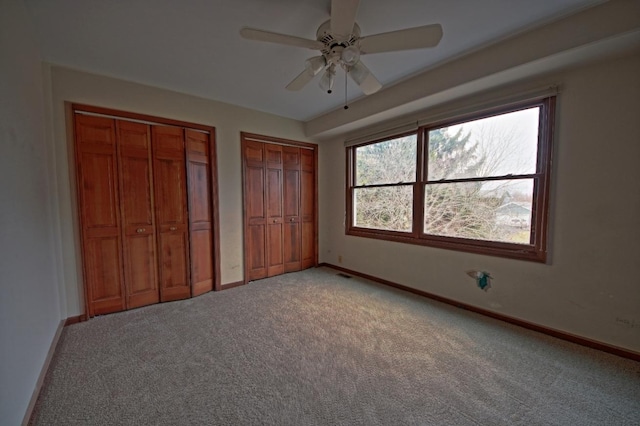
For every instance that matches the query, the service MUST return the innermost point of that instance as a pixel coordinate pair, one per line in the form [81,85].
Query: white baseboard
[43,374]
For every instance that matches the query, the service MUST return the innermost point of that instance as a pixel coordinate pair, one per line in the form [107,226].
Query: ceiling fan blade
[410,38]
[300,81]
[268,36]
[368,83]
[343,16]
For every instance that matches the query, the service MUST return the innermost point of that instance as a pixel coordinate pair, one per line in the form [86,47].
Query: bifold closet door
[98,193]
[200,210]
[146,197]
[170,190]
[136,207]
[279,208]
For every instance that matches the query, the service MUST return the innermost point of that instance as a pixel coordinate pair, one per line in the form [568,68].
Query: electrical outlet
[340,258]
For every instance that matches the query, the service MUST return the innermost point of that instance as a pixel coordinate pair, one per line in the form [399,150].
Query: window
[477,184]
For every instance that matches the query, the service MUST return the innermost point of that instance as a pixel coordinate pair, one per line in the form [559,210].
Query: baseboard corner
[75,319]
[231,285]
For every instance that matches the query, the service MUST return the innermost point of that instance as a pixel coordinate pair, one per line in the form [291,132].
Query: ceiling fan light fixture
[326,83]
[315,65]
[350,55]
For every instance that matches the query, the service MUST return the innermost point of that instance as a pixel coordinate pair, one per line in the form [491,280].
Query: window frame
[535,251]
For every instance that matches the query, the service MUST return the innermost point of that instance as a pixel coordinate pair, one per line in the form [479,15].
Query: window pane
[497,210]
[493,146]
[388,208]
[391,161]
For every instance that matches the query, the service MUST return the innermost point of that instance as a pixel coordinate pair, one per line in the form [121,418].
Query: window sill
[525,252]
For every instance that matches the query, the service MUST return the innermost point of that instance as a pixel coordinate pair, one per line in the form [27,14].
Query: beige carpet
[313,348]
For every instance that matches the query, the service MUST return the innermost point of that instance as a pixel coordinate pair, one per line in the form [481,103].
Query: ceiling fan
[341,45]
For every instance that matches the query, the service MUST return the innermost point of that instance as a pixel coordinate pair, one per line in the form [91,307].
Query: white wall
[591,287]
[29,301]
[75,86]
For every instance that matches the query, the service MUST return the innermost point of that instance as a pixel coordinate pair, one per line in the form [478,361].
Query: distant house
[514,214]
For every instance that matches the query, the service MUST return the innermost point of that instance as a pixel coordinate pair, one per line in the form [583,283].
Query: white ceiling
[193,46]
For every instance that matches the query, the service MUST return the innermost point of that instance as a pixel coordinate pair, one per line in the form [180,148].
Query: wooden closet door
[273,190]
[200,211]
[136,207]
[308,207]
[97,174]
[254,210]
[170,189]
[279,185]
[292,237]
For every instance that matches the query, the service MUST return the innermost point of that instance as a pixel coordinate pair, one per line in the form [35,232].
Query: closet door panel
[275,264]
[172,250]
[98,175]
[136,183]
[273,189]
[98,194]
[254,163]
[291,205]
[103,273]
[170,189]
[308,252]
[136,180]
[274,193]
[257,266]
[256,225]
[200,217]
[308,207]
[291,193]
[292,247]
[170,183]
[255,194]
[140,270]
[201,267]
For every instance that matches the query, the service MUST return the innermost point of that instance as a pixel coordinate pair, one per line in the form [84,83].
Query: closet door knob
[140,230]
[173,228]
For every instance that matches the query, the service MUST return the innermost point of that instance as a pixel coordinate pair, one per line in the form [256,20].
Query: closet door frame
[76,108]
[246,139]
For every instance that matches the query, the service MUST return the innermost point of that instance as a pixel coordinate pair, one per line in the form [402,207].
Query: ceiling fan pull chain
[345,89]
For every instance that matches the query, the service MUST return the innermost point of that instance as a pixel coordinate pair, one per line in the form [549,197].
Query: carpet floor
[314,348]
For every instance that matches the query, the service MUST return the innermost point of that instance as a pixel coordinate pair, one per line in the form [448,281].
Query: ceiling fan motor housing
[344,52]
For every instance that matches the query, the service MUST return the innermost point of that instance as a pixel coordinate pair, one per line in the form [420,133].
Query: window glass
[387,207]
[493,146]
[496,210]
[391,161]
